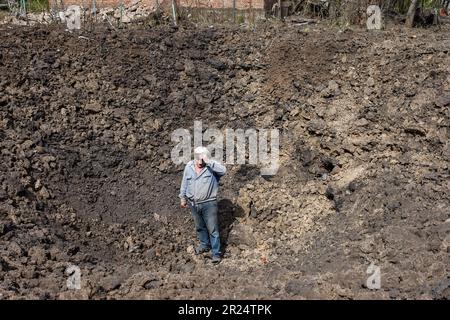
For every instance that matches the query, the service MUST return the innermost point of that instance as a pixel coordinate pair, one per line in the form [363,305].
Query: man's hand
[204,159]
[183,203]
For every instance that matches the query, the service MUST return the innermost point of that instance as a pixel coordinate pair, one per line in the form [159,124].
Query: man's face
[199,160]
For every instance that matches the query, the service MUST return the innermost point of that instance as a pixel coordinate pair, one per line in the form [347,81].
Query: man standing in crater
[198,190]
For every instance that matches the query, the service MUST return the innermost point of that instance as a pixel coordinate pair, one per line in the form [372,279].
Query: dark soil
[86,176]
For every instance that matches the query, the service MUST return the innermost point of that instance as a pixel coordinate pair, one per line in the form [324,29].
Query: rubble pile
[132,12]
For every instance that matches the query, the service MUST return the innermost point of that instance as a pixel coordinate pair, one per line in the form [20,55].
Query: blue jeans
[207,225]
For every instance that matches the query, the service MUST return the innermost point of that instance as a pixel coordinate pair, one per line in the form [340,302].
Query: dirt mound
[86,176]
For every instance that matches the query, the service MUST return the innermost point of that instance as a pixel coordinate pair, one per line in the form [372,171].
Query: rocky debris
[443,100]
[87,180]
[31,18]
[241,235]
[331,90]
[133,11]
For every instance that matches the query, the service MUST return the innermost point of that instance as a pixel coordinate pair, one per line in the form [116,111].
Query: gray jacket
[203,187]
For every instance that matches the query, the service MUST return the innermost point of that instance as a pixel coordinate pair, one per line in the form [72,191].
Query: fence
[121,12]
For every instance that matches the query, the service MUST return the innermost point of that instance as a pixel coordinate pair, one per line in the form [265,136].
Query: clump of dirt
[87,180]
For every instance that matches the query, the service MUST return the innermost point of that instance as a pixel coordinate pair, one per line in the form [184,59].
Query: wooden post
[174,12]
[157,7]
[121,13]
[280,15]
[94,9]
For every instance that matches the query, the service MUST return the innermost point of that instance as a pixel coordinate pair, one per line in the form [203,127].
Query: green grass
[37,5]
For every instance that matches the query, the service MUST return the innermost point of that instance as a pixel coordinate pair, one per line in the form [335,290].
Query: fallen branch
[109,21]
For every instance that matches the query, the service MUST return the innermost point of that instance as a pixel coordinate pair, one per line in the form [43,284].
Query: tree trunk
[411,13]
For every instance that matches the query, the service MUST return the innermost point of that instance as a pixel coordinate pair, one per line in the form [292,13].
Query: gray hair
[201,151]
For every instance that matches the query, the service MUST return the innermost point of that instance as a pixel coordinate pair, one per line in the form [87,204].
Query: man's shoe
[216,259]
[200,250]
